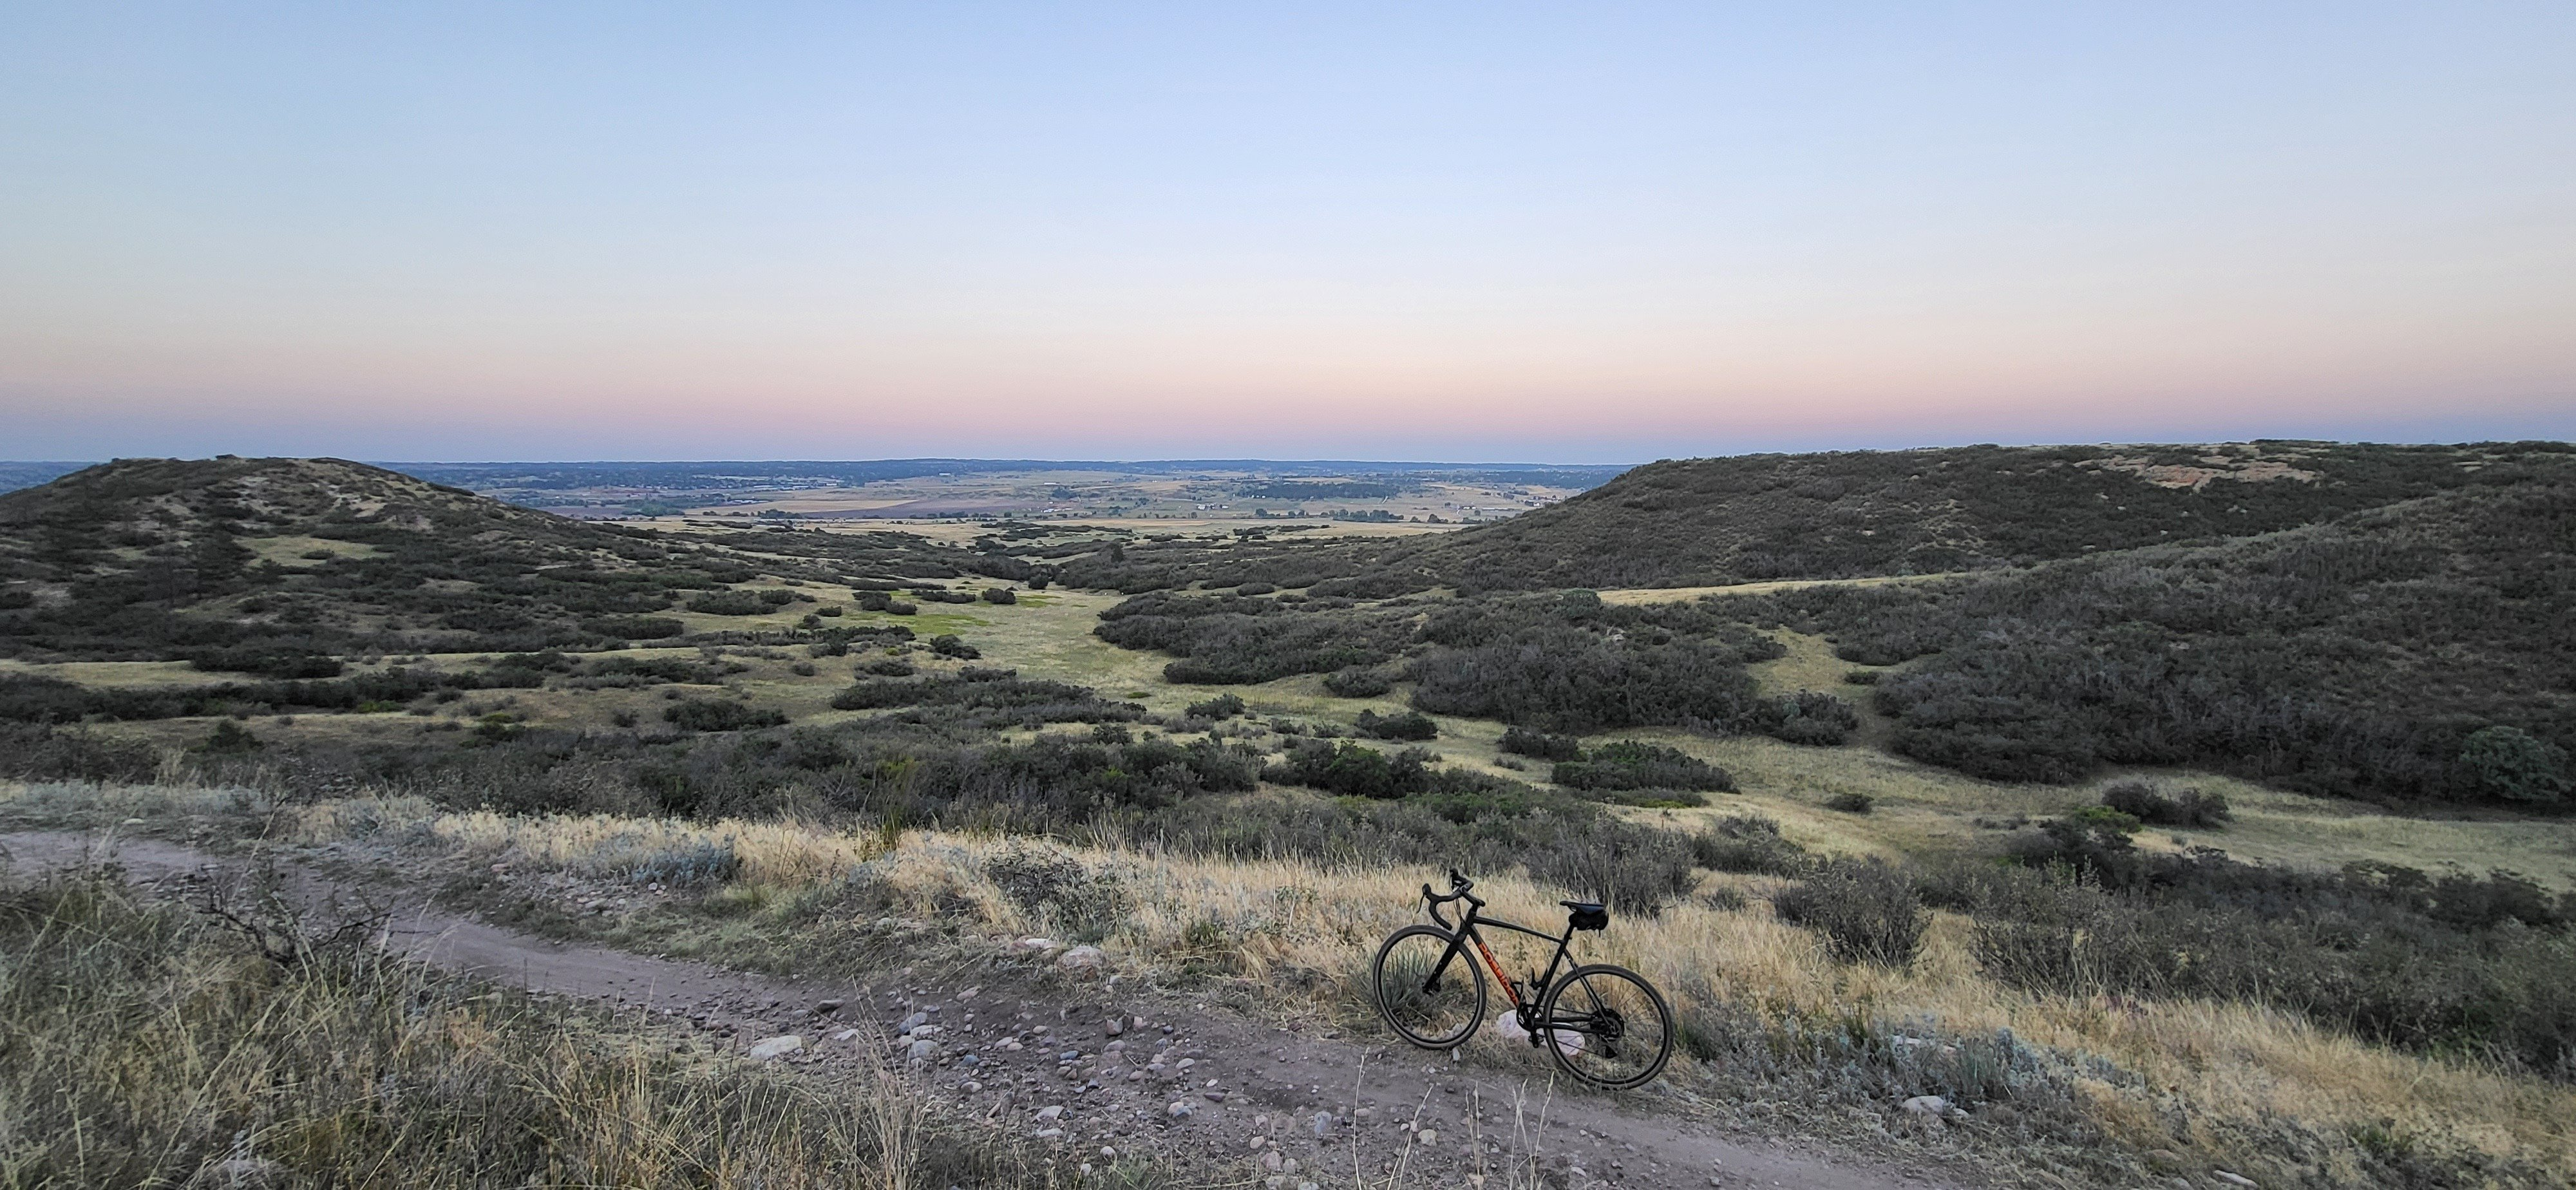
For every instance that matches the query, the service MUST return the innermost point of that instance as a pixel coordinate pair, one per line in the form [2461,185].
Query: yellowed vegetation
[2224,1066]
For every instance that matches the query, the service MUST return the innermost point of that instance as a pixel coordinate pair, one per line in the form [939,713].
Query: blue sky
[1490,231]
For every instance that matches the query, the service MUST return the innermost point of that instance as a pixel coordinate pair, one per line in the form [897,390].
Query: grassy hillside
[271,565]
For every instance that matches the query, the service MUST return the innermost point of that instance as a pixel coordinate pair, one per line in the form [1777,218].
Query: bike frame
[1466,931]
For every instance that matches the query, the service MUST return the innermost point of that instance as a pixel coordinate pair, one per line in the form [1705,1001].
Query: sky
[1565,233]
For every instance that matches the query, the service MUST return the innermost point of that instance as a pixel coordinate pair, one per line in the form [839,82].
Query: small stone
[971,1087]
[2232,1179]
[1049,1133]
[1113,1028]
[1428,1136]
[846,1035]
[1272,1161]
[913,1022]
[923,1051]
[970,1061]
[776,1047]
[827,1008]
[1322,1124]
[1929,1107]
[1108,1154]
[1050,1111]
[1082,958]
[1215,1096]
[1181,1109]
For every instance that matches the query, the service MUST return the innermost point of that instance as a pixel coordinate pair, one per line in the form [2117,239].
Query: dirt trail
[1113,1064]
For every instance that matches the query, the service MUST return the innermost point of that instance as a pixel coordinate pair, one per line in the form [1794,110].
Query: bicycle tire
[1421,1016]
[1595,1056]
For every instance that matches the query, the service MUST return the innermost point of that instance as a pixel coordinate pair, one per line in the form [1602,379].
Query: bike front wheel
[1607,1026]
[1429,1004]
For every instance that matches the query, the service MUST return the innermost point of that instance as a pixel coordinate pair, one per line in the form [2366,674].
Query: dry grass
[1292,930]
[143,1045]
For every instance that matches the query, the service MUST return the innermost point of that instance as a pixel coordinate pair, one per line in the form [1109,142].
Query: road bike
[1603,1024]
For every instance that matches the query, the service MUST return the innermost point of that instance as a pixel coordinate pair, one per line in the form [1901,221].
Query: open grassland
[148,1044]
[1784,1035]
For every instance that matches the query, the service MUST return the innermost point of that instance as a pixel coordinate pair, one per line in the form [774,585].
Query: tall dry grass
[2223,1080]
[145,1045]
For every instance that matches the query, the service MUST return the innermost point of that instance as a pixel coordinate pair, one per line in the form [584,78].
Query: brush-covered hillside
[273,566]
[1856,514]
[1850,514]
[2415,651]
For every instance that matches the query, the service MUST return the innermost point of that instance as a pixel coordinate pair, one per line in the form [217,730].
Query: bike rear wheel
[1434,1014]
[1607,1026]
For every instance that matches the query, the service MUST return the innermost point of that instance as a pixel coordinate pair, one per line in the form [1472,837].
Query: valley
[2163,811]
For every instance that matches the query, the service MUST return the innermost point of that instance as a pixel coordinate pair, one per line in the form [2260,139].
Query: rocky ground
[1043,1043]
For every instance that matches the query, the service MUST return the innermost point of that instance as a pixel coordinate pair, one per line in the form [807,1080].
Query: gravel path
[1101,1070]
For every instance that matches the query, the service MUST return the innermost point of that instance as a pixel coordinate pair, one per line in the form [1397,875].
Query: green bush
[1634,764]
[2508,763]
[1851,802]
[708,714]
[1747,843]
[1359,681]
[635,627]
[732,603]
[1223,706]
[1000,595]
[1411,725]
[1540,745]
[950,646]
[1867,910]
[2145,802]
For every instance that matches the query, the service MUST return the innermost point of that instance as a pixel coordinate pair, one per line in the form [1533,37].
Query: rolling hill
[1849,514]
[272,565]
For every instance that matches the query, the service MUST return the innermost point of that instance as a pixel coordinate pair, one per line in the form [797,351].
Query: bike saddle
[1584,915]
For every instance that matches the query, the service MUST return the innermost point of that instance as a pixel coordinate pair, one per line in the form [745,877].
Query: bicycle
[1603,1024]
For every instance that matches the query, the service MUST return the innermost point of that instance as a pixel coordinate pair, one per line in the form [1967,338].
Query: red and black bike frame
[1466,931]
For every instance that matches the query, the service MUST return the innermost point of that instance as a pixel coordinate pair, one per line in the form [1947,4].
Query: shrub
[900,608]
[1059,890]
[732,603]
[1411,725]
[1633,764]
[2146,803]
[2508,763]
[1867,910]
[1223,706]
[778,597]
[1861,677]
[1747,843]
[698,864]
[1851,802]
[268,661]
[635,627]
[872,601]
[1541,745]
[1808,717]
[1000,595]
[1254,589]
[1359,681]
[888,667]
[1353,770]
[950,646]
[1631,868]
[710,714]
[229,739]
[1567,679]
